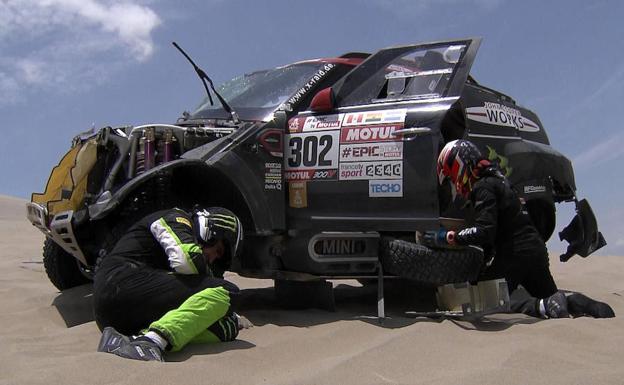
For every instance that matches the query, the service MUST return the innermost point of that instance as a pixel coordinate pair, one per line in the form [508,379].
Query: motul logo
[368,134]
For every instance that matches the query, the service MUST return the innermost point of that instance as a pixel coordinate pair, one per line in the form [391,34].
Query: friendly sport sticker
[371,170]
[501,115]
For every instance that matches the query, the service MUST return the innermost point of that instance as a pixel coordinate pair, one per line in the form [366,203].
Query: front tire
[431,267]
[62,269]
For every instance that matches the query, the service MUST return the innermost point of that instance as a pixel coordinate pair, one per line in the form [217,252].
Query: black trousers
[529,268]
[130,295]
[522,302]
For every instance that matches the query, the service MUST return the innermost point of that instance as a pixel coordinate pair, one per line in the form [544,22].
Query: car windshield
[402,73]
[255,95]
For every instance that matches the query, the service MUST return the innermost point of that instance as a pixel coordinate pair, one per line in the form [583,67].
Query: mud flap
[582,233]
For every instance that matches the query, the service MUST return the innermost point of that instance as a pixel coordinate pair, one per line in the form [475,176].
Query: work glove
[439,238]
[227,328]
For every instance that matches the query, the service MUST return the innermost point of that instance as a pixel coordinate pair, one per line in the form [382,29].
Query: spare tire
[431,267]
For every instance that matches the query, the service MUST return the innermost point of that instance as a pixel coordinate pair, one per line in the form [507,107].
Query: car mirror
[323,101]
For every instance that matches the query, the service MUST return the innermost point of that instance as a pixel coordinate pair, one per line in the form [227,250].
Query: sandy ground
[47,337]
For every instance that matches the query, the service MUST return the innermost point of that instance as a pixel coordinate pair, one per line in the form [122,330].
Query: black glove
[226,329]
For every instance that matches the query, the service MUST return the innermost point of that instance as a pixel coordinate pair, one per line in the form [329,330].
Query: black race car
[325,161]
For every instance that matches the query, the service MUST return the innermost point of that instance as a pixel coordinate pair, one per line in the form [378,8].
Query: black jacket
[164,240]
[502,225]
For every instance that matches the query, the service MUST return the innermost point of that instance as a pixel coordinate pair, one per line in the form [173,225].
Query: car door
[369,162]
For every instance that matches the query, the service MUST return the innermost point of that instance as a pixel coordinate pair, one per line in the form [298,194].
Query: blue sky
[66,65]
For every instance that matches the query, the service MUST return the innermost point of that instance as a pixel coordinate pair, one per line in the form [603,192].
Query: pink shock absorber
[168,147]
[150,149]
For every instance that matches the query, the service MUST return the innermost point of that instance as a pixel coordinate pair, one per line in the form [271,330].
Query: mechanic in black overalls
[511,243]
[158,289]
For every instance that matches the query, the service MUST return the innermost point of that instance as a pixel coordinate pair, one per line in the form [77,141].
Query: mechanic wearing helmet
[503,228]
[161,286]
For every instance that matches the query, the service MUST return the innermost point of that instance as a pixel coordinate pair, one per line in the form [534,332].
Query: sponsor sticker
[184,221]
[338,246]
[371,170]
[314,150]
[369,133]
[297,194]
[303,91]
[300,175]
[501,115]
[385,188]
[371,151]
[534,189]
[295,124]
[323,122]
[273,176]
[374,117]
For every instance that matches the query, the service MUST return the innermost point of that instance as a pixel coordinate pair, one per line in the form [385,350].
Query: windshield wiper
[202,75]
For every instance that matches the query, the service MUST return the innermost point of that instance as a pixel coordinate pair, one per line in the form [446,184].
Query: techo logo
[385,188]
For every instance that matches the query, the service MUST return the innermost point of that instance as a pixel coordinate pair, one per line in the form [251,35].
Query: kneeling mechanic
[503,228]
[161,286]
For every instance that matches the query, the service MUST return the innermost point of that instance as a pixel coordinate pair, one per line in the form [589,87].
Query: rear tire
[431,267]
[62,269]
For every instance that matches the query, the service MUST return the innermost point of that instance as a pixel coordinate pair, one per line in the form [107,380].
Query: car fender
[221,166]
[108,201]
[537,167]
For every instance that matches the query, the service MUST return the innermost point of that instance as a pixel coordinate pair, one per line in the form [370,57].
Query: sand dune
[49,337]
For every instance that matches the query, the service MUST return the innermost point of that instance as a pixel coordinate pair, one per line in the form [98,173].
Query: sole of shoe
[580,305]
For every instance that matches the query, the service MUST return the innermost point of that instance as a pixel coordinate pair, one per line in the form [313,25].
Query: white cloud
[31,71]
[606,151]
[8,89]
[131,23]
[407,8]
[69,44]
[614,80]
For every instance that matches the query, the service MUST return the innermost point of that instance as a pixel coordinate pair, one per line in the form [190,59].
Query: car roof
[351,59]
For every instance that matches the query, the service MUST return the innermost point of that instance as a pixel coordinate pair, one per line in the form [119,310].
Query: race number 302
[317,150]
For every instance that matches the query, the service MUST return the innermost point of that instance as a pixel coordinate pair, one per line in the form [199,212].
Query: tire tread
[428,266]
[61,268]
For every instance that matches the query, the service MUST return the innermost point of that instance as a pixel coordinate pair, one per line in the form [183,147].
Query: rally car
[327,162]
